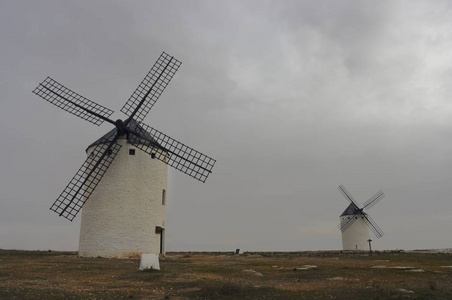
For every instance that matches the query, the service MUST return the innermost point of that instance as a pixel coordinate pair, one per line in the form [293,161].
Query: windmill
[355,223]
[126,211]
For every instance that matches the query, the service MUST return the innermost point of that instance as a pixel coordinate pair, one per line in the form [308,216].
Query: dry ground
[265,275]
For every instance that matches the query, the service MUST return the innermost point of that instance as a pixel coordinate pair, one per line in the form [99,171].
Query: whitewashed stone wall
[121,216]
[356,236]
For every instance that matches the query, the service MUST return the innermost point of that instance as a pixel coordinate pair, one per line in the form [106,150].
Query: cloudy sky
[292,98]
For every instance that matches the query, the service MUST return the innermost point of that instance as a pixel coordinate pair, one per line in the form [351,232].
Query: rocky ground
[265,275]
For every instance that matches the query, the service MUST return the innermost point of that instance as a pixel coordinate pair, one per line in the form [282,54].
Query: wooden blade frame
[150,89]
[64,98]
[347,222]
[348,196]
[373,226]
[374,200]
[172,152]
[82,185]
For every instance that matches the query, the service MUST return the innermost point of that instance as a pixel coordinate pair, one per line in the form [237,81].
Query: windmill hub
[120,126]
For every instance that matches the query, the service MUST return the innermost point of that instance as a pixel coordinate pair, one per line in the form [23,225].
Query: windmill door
[161,231]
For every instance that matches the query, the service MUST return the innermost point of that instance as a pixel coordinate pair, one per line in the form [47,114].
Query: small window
[131,151]
[163,197]
[153,155]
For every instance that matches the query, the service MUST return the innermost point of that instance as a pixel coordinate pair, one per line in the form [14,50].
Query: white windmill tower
[126,214]
[355,223]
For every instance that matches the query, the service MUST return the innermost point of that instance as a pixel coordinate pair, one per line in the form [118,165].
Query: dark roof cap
[133,125]
[350,210]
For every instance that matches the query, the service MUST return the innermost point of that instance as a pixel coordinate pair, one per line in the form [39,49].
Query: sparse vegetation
[208,275]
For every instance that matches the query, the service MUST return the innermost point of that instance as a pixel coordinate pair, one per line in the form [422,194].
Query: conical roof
[133,125]
[350,210]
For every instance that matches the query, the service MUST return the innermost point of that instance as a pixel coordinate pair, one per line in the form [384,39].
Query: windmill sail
[347,195]
[64,98]
[374,200]
[347,222]
[83,184]
[373,226]
[172,152]
[152,86]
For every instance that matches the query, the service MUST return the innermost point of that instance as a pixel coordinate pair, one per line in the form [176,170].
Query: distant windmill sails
[355,223]
[112,198]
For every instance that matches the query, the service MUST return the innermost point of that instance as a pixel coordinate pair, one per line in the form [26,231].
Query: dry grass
[57,275]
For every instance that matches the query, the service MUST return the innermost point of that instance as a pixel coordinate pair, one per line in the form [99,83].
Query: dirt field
[267,275]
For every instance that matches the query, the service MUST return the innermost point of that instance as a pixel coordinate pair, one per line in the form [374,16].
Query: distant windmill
[127,210]
[355,223]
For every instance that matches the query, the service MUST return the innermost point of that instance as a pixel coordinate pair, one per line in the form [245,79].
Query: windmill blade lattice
[82,185]
[64,98]
[373,226]
[347,195]
[346,223]
[374,200]
[172,152]
[152,86]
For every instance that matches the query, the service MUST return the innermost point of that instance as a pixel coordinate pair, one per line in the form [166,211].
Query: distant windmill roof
[135,126]
[350,210]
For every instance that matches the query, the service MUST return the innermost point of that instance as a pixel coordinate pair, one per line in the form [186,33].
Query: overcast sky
[293,98]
